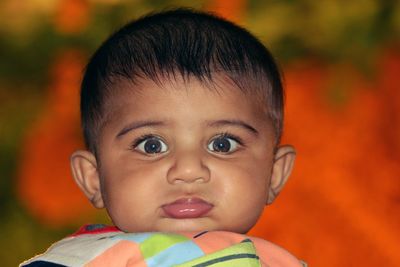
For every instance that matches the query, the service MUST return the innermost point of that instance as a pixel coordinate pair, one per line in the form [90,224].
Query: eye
[151,145]
[224,144]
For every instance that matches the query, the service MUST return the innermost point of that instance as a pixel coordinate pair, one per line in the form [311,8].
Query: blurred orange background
[341,63]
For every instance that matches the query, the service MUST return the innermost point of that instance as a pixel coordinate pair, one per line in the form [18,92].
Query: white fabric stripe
[77,250]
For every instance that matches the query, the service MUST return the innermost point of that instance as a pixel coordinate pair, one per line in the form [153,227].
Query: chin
[187,225]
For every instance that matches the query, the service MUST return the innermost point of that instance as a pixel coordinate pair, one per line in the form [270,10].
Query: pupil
[222,145]
[152,146]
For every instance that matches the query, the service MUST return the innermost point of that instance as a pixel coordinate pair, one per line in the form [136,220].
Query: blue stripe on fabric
[135,237]
[176,254]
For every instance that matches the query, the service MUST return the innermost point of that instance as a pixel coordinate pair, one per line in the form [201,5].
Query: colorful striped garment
[99,245]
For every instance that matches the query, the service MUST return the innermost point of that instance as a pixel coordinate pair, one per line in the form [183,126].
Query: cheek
[129,186]
[131,199]
[242,196]
[243,181]
[133,174]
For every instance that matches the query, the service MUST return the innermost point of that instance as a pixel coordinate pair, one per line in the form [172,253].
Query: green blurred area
[330,31]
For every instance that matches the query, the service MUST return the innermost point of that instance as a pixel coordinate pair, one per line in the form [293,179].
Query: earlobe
[86,175]
[283,165]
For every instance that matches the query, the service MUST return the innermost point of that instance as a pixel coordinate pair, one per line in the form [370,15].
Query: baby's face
[185,158]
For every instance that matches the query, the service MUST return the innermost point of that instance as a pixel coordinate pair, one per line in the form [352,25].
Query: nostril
[189,180]
[200,180]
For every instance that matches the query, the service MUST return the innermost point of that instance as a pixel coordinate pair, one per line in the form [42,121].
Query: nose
[188,167]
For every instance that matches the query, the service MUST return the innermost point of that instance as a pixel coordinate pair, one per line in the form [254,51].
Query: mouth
[187,208]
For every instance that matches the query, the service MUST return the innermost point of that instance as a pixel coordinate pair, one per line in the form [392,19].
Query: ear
[86,175]
[283,165]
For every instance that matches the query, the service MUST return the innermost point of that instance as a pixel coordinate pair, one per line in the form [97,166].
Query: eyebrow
[236,123]
[219,123]
[139,124]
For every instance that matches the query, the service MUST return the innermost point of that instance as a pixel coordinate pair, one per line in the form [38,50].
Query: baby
[182,114]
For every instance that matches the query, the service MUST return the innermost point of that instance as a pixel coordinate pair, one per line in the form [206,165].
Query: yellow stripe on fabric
[159,242]
[242,254]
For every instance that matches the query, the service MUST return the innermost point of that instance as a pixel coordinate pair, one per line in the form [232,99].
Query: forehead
[221,94]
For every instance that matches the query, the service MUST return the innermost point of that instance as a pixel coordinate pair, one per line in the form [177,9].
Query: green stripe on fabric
[237,259]
[241,254]
[159,242]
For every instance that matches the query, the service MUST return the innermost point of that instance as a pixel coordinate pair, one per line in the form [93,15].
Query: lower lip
[187,208]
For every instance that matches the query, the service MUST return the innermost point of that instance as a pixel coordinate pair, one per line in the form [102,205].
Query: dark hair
[185,42]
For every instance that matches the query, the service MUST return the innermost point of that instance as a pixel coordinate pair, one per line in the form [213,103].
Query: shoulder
[97,245]
[275,255]
[76,249]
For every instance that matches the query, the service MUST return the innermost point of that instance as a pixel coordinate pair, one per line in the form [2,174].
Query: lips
[186,208]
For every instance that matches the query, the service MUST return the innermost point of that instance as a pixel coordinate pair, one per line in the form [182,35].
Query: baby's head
[182,115]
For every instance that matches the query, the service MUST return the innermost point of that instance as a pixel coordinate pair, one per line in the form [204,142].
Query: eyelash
[231,136]
[142,138]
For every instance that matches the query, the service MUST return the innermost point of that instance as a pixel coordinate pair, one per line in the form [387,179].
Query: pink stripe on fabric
[274,255]
[106,229]
[217,240]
